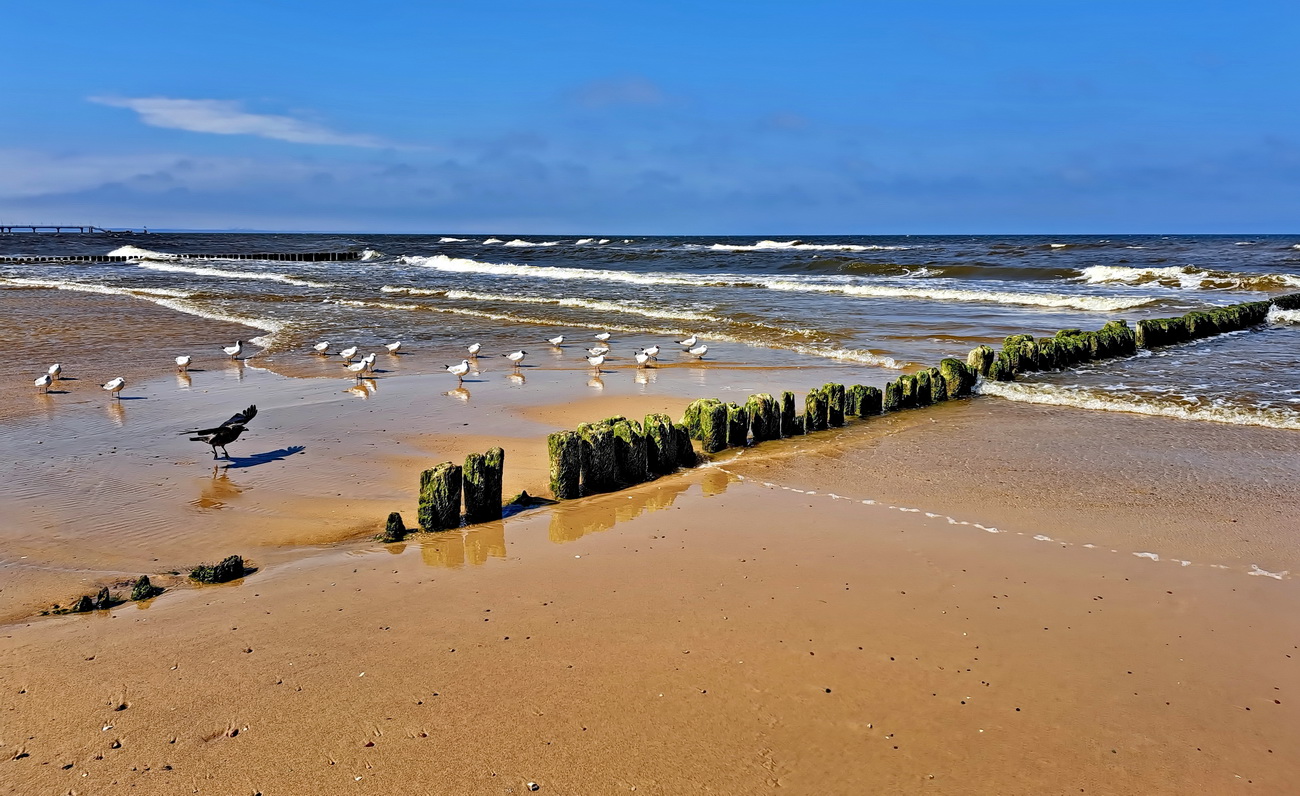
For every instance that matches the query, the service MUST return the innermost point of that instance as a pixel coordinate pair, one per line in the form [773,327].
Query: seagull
[233,350]
[115,386]
[598,350]
[653,352]
[641,359]
[603,336]
[224,434]
[688,342]
[323,347]
[459,371]
[183,363]
[359,368]
[348,353]
[597,361]
[516,357]
[393,348]
[699,351]
[473,350]
[43,383]
[54,371]
[369,359]
[555,341]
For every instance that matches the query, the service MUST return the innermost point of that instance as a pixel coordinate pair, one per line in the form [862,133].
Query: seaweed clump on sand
[230,568]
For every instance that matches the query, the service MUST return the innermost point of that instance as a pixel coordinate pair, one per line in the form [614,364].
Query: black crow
[224,434]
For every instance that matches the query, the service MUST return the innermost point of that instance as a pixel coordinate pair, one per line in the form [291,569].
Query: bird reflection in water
[646,376]
[596,383]
[516,379]
[474,545]
[460,394]
[183,379]
[364,388]
[218,491]
[116,413]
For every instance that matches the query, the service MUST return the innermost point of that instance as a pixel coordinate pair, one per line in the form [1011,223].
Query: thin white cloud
[226,117]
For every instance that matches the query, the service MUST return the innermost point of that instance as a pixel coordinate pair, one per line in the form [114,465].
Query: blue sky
[654,117]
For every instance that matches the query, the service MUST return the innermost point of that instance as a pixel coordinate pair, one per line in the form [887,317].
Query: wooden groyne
[617,452]
[294,257]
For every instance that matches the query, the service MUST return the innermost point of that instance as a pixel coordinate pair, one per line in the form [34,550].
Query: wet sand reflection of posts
[475,545]
[572,521]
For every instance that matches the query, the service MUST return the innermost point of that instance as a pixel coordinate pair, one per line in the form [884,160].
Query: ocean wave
[517,243]
[135,251]
[177,300]
[1187,277]
[583,303]
[452,240]
[224,273]
[862,356]
[444,263]
[371,254]
[1052,395]
[798,245]
[494,240]
[1281,316]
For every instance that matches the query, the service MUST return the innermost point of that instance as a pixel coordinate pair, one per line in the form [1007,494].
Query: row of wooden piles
[443,489]
[616,453]
[1021,353]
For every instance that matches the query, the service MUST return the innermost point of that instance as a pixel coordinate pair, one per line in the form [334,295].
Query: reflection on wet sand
[516,378]
[574,520]
[460,394]
[116,413]
[364,388]
[596,383]
[646,376]
[183,379]
[218,491]
[475,544]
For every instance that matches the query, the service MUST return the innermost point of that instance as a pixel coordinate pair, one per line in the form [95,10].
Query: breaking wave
[1052,395]
[584,303]
[798,245]
[224,273]
[1281,316]
[135,251]
[1187,277]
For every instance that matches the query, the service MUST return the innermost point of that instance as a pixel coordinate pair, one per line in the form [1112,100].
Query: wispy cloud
[226,117]
[626,91]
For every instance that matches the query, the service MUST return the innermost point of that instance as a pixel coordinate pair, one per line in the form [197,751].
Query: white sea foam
[606,240]
[840,285]
[371,254]
[90,287]
[1186,277]
[525,243]
[584,241]
[452,240]
[493,240]
[568,301]
[225,273]
[1058,245]
[1256,570]
[1052,395]
[1280,316]
[135,251]
[798,245]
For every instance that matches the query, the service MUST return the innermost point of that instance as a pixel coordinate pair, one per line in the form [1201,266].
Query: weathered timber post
[938,387]
[482,485]
[756,406]
[854,397]
[892,400]
[661,446]
[713,427]
[565,449]
[693,417]
[685,450]
[958,378]
[980,359]
[834,404]
[737,426]
[631,462]
[816,411]
[788,415]
[873,401]
[142,589]
[922,396]
[394,530]
[908,385]
[440,497]
[598,469]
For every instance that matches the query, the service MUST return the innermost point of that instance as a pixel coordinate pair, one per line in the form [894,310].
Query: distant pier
[55,228]
[296,257]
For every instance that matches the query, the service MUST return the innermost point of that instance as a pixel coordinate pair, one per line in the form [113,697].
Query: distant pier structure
[56,228]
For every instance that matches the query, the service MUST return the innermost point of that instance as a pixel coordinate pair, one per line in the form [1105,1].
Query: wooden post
[854,398]
[713,427]
[631,462]
[737,426]
[815,411]
[565,449]
[394,529]
[598,468]
[482,485]
[872,401]
[834,404]
[685,450]
[661,447]
[788,415]
[893,398]
[440,497]
[693,418]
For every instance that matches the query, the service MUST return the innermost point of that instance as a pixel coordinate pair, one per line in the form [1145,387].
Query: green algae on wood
[481,480]
[958,377]
[788,415]
[816,411]
[439,507]
[693,418]
[394,529]
[598,458]
[737,426]
[713,427]
[631,459]
[834,403]
[142,589]
[228,569]
[565,450]
[893,397]
[854,396]
[980,359]
[872,401]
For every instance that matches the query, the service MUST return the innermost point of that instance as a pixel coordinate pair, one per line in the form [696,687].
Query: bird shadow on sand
[239,462]
[133,398]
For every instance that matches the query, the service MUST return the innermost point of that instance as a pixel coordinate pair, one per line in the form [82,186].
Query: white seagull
[641,359]
[473,350]
[598,350]
[516,357]
[43,383]
[653,352]
[369,361]
[323,347]
[348,354]
[597,361]
[699,351]
[54,371]
[359,368]
[115,386]
[603,336]
[459,371]
[688,342]
[555,341]
[393,348]
[233,351]
[183,363]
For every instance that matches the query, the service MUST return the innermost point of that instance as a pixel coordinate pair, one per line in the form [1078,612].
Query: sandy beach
[983,597]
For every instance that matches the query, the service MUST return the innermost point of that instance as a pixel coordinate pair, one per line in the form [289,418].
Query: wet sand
[720,630]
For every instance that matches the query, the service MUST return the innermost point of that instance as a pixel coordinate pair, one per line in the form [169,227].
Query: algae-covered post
[958,377]
[922,395]
[693,419]
[815,411]
[495,460]
[685,450]
[834,404]
[631,462]
[598,474]
[788,428]
[482,485]
[661,447]
[854,397]
[440,497]
[229,568]
[892,400]
[713,427]
[938,386]
[737,426]
[394,529]
[980,359]
[142,589]
[565,449]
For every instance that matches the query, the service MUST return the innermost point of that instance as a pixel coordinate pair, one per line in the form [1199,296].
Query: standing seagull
[459,371]
[699,351]
[653,352]
[603,336]
[516,357]
[359,368]
[54,371]
[473,350]
[224,434]
[183,363]
[323,347]
[641,359]
[596,362]
[115,386]
[234,350]
[688,342]
[348,353]
[556,341]
[43,383]
[393,348]
[598,350]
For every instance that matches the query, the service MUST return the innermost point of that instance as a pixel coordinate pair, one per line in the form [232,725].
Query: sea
[884,304]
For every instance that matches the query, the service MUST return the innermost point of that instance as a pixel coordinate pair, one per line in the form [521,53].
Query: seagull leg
[214,452]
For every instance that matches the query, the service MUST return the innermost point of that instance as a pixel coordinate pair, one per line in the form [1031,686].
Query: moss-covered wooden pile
[618,452]
[445,487]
